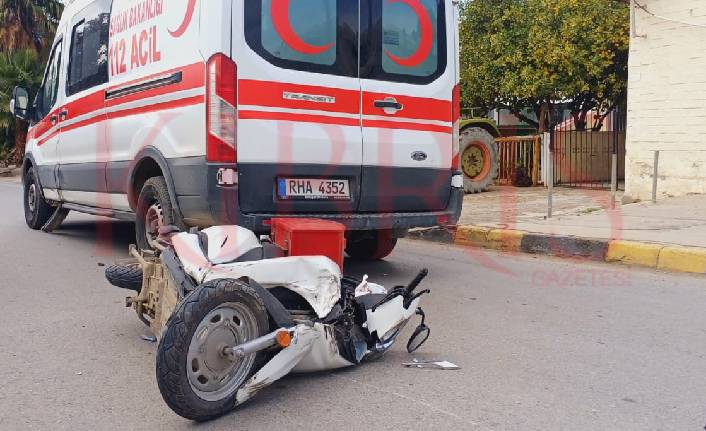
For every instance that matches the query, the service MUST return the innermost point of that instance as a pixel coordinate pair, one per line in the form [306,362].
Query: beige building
[667,98]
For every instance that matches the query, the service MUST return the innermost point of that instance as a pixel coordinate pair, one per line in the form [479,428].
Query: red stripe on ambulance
[294,96]
[399,125]
[304,118]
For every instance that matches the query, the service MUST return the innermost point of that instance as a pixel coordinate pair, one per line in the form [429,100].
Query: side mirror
[420,335]
[19,105]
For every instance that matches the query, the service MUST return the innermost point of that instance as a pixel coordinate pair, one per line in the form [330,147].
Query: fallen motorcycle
[234,314]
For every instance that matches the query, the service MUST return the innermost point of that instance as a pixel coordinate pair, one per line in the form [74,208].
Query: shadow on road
[375,269]
[114,237]
[108,236]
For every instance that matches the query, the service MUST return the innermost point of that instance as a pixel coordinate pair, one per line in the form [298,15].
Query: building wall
[667,99]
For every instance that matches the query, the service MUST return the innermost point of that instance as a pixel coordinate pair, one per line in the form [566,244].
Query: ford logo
[419,156]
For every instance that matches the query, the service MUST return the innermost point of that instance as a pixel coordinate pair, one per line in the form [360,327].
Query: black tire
[372,245]
[37,210]
[172,353]
[481,146]
[154,197]
[128,276]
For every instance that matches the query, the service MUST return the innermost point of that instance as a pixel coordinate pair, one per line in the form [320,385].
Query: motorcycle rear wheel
[196,379]
[125,276]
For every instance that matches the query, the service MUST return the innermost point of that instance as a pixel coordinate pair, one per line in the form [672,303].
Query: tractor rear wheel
[479,159]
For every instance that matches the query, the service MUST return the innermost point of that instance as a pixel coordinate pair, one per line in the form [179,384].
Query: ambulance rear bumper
[219,211]
[206,203]
[370,221]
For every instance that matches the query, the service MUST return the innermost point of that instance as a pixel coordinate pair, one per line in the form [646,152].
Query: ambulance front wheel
[370,245]
[37,210]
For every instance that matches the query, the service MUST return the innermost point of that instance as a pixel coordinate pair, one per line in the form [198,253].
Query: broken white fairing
[223,244]
[316,278]
[314,347]
[389,318]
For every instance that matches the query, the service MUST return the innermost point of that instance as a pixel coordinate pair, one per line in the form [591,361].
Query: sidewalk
[506,206]
[10,174]
[670,235]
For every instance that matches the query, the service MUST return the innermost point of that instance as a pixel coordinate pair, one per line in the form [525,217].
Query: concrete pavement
[669,235]
[509,205]
[544,344]
[674,221]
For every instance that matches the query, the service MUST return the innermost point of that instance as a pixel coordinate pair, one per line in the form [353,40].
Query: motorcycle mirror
[419,337]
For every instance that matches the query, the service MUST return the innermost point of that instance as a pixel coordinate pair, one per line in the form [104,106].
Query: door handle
[389,103]
[63,115]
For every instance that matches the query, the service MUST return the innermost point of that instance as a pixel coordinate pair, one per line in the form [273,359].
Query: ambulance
[206,112]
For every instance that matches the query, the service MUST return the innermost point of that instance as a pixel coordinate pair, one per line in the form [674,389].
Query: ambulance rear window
[307,34]
[410,40]
[404,41]
[312,35]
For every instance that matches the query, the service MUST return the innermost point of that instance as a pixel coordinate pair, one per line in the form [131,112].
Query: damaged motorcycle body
[320,320]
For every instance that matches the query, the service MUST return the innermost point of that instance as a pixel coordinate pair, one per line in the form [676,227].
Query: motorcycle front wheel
[197,380]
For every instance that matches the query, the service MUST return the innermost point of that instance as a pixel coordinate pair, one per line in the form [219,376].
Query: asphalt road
[543,344]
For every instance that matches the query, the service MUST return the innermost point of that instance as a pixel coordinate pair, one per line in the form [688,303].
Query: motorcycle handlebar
[418,279]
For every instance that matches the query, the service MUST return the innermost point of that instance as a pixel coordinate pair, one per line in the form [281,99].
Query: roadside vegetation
[27,28]
[524,55]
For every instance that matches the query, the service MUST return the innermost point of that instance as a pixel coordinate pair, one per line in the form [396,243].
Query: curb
[651,255]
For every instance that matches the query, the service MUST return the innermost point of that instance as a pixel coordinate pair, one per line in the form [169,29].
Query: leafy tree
[27,29]
[519,54]
[19,67]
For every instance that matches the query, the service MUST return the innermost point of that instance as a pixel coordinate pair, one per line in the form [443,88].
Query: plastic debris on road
[436,365]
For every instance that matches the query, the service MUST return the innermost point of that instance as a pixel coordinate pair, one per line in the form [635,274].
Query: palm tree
[28,24]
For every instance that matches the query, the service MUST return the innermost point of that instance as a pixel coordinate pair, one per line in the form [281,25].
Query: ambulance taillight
[221,110]
[456,118]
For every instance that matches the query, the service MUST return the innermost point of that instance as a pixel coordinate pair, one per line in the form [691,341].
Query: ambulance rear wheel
[154,210]
[370,245]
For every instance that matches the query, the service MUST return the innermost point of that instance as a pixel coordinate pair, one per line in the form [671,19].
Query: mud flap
[56,219]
